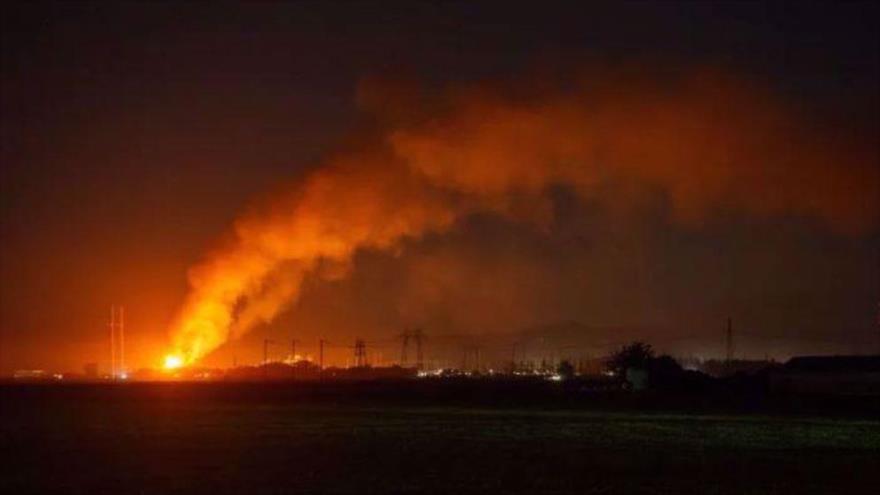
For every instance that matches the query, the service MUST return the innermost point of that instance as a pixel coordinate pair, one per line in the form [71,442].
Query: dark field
[178,439]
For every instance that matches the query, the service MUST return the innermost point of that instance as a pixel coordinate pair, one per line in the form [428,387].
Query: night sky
[133,137]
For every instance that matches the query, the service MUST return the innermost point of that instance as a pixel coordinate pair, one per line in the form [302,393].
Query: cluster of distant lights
[169,364]
[173,363]
[440,373]
[40,374]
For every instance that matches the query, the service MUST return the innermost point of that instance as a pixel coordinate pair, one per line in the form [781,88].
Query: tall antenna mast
[122,340]
[112,342]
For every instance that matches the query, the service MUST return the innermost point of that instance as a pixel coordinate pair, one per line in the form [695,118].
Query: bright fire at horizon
[172,362]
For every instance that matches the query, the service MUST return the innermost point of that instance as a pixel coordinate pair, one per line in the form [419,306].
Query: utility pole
[478,359]
[513,359]
[419,357]
[293,358]
[122,340]
[729,340]
[404,348]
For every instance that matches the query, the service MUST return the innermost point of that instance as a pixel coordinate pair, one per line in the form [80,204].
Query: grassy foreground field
[167,444]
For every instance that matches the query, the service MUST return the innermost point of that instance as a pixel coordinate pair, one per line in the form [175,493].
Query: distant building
[722,368]
[828,375]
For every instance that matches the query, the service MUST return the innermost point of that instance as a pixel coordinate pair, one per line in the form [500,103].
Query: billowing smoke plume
[706,142]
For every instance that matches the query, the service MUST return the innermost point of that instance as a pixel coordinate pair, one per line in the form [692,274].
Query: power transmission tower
[417,335]
[469,351]
[404,348]
[360,353]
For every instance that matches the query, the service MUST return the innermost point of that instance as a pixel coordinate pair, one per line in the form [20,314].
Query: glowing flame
[172,362]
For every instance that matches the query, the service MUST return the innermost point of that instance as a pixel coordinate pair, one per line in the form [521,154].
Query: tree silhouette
[634,355]
[565,370]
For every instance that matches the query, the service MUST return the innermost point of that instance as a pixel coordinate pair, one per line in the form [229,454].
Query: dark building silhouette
[828,375]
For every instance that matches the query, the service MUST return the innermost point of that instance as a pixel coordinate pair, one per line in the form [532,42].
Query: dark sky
[133,134]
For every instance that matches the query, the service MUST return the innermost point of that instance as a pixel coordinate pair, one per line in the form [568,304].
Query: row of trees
[638,361]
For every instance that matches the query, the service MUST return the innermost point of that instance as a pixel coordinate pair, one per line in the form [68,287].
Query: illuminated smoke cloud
[707,142]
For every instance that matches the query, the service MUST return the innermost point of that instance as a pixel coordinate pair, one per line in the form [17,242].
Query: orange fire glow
[705,142]
[172,362]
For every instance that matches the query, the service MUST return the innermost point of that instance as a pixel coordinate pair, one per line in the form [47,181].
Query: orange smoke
[706,142]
